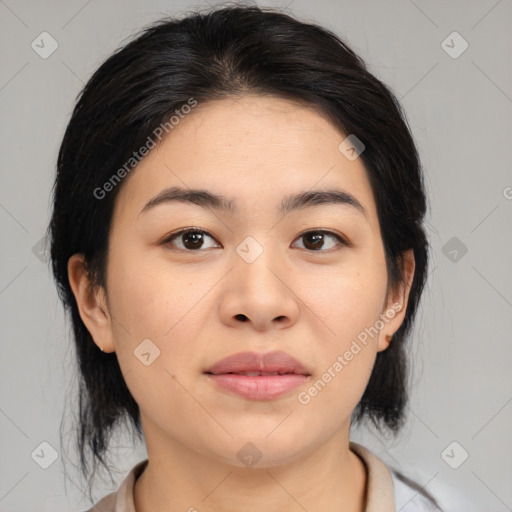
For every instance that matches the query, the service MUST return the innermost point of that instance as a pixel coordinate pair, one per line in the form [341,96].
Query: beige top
[380,486]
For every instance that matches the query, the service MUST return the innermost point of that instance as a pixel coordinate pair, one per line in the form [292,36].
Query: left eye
[315,240]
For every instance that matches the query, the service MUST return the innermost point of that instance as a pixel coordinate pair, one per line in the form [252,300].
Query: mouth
[257,376]
[254,374]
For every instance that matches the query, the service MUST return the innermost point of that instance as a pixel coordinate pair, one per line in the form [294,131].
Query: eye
[194,239]
[190,239]
[316,240]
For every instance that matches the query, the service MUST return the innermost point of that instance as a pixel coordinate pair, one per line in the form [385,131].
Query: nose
[259,294]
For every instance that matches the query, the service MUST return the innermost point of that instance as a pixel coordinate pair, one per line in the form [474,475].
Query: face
[309,281]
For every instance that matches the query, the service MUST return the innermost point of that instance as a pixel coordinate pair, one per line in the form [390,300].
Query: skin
[310,304]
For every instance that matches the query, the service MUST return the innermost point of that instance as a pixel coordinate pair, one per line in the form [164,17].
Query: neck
[331,477]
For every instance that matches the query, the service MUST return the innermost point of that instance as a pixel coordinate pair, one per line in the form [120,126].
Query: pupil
[317,241]
[193,238]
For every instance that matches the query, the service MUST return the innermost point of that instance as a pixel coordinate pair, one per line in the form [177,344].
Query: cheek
[349,304]
[154,302]
[335,392]
[349,298]
[158,316]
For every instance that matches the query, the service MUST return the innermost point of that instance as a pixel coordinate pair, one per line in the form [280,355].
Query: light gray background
[460,111]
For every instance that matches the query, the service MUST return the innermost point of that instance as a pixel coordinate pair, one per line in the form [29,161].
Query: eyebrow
[299,201]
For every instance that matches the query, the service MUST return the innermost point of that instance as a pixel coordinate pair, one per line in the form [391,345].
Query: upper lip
[269,362]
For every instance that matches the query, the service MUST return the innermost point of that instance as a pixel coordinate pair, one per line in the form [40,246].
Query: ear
[92,304]
[396,303]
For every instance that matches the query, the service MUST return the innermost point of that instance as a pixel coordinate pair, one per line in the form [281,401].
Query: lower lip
[262,387]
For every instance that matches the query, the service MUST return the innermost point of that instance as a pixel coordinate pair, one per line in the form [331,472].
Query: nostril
[241,317]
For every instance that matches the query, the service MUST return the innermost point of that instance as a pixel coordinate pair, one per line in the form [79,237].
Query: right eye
[188,239]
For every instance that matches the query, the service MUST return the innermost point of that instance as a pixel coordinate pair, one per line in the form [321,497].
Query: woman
[237,235]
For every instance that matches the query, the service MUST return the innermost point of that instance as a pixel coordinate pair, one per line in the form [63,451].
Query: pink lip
[226,374]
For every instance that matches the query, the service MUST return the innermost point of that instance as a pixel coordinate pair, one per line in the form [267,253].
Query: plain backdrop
[450,64]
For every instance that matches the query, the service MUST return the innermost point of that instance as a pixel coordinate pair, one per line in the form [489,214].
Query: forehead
[253,149]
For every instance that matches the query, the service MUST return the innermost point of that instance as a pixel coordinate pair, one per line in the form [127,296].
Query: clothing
[385,488]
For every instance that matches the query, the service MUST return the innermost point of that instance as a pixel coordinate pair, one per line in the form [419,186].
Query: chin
[259,451]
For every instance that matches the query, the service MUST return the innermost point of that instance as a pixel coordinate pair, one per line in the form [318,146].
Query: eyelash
[177,234]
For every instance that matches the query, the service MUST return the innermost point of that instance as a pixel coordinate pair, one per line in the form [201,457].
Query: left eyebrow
[299,201]
[317,197]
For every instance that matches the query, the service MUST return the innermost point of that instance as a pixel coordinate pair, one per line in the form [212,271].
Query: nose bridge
[254,261]
[256,290]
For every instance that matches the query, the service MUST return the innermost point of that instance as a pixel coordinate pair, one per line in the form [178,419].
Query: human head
[207,57]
